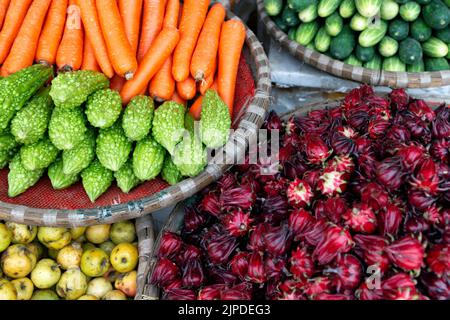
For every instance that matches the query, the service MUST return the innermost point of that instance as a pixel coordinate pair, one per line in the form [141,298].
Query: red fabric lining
[43,196]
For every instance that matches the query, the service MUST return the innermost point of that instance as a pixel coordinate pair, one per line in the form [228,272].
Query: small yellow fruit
[22,233]
[54,238]
[107,246]
[98,287]
[72,285]
[124,257]
[70,256]
[88,297]
[94,262]
[77,232]
[123,232]
[24,288]
[98,234]
[17,261]
[127,283]
[37,249]
[5,237]
[46,274]
[7,290]
[88,246]
[115,295]
[44,295]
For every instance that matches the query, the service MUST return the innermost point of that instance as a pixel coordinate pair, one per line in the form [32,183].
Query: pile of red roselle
[359,209]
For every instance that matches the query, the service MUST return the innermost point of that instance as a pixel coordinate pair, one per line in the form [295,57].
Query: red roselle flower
[227,181]
[440,150]
[277,240]
[343,141]
[312,177]
[343,163]
[378,128]
[179,294]
[220,248]
[302,264]
[407,253]
[165,273]
[193,220]
[242,197]
[333,297]
[256,239]
[366,293]
[275,187]
[399,99]
[316,232]
[331,208]
[372,248]
[411,156]
[367,165]
[237,222]
[210,204]
[437,287]
[316,149]
[426,178]
[433,214]
[420,199]
[389,220]
[438,259]
[193,275]
[441,125]
[421,109]
[316,286]
[299,221]
[361,218]
[211,292]
[346,273]
[170,245]
[239,264]
[332,182]
[398,133]
[390,173]
[191,252]
[375,196]
[256,272]
[337,240]
[274,267]
[398,283]
[241,291]
[416,225]
[299,193]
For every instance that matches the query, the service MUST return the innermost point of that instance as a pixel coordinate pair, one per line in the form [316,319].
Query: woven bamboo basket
[146,242]
[248,121]
[350,72]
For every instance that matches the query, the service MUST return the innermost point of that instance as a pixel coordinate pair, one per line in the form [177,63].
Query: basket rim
[249,123]
[427,79]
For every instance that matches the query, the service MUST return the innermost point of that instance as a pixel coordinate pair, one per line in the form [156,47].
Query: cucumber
[448,54]
[327,7]
[393,64]
[389,10]
[311,46]
[273,7]
[401,1]
[291,33]
[436,15]
[435,48]
[347,8]
[409,11]
[359,23]
[398,29]
[281,23]
[334,24]
[306,32]
[446,2]
[343,44]
[410,51]
[388,47]
[309,13]
[298,5]
[416,67]
[352,60]
[436,64]
[322,40]
[374,64]
[290,17]
[364,54]
[368,8]
[443,34]
[423,2]
[420,30]
[373,34]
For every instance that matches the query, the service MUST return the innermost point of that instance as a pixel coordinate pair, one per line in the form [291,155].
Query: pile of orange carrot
[169,49]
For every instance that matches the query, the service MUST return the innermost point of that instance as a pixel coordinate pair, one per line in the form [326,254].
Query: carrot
[4,4]
[89,60]
[176,98]
[130,11]
[230,47]
[162,85]
[52,32]
[208,81]
[117,83]
[187,88]
[92,26]
[70,52]
[119,49]
[161,49]
[192,18]
[172,14]
[152,20]
[205,53]
[196,109]
[13,20]
[24,47]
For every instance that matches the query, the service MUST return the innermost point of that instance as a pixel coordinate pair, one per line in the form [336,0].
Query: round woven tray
[350,72]
[248,122]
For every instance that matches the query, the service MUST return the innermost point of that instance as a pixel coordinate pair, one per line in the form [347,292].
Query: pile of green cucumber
[390,35]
